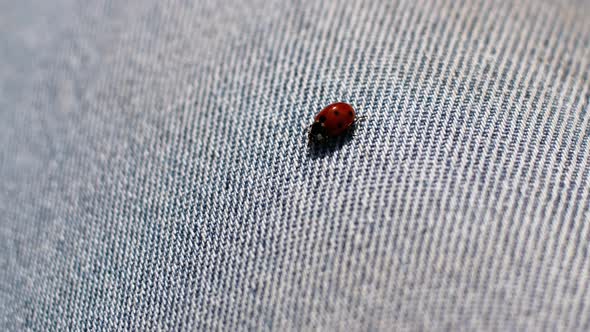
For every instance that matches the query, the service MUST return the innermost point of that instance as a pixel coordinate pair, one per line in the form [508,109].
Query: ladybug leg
[359,119]
[355,126]
[306,130]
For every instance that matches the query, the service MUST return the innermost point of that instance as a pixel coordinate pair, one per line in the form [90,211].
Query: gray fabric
[155,174]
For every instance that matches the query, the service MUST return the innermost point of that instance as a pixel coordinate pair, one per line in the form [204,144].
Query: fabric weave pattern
[155,174]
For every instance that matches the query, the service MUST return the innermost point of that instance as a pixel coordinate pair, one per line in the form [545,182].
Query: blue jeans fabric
[155,173]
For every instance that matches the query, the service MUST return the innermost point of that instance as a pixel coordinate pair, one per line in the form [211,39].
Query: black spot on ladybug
[336,113]
[340,125]
[350,113]
[322,119]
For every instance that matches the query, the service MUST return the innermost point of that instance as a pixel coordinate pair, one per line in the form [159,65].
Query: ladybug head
[317,133]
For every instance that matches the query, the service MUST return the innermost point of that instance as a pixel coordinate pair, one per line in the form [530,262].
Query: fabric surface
[155,173]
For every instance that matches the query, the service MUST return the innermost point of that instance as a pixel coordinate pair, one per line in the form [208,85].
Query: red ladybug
[334,120]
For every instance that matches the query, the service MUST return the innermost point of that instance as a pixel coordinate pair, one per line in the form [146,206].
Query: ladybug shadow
[318,150]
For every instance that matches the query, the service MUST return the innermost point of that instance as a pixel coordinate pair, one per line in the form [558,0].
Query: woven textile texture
[155,173]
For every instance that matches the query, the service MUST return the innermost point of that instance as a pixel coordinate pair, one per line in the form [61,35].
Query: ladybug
[334,120]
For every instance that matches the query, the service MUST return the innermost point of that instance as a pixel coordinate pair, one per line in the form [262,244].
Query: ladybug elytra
[334,120]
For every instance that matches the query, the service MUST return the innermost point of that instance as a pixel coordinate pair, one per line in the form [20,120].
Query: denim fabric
[155,173]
